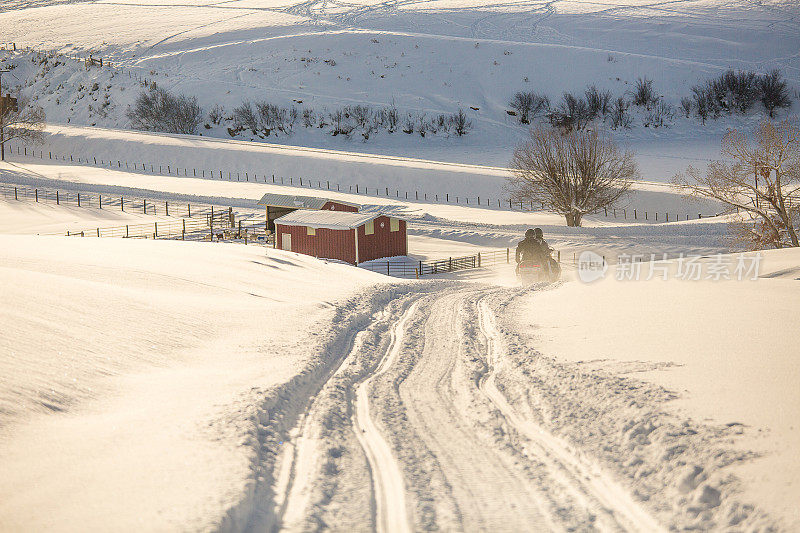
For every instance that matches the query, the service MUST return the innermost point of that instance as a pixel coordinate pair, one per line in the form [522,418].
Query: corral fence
[205,222]
[197,229]
[445,198]
[405,269]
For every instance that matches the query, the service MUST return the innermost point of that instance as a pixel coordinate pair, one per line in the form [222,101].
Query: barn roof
[298,202]
[327,219]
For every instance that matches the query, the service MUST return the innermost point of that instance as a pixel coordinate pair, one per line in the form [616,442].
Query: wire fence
[198,221]
[131,204]
[445,198]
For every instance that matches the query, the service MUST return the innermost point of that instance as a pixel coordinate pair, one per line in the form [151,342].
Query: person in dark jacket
[530,248]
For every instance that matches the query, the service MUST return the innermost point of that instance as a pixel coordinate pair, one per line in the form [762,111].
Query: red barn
[281,204]
[350,237]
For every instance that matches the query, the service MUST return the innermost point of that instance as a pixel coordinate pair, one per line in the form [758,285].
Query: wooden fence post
[155,229]
[127,233]
[122,203]
[57,200]
[100,200]
[508,255]
[166,208]
[36,192]
[189,208]
[79,199]
[15,193]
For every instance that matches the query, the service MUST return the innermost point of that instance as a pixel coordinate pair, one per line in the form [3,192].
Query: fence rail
[332,186]
[405,269]
[206,228]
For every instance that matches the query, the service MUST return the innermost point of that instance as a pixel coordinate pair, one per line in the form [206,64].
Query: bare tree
[574,174]
[23,122]
[762,180]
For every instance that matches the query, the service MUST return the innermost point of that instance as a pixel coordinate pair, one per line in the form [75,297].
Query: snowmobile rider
[531,248]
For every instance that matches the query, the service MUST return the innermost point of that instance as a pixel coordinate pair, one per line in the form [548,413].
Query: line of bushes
[264,118]
[731,92]
[737,92]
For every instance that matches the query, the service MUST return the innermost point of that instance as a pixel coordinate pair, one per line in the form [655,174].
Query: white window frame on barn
[369,228]
[394,224]
[311,231]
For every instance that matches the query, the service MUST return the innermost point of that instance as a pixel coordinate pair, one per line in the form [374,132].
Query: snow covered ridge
[426,60]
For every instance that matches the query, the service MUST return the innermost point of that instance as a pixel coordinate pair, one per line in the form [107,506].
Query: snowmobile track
[387,479]
[619,508]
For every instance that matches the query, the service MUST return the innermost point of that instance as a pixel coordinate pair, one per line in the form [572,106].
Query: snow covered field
[168,385]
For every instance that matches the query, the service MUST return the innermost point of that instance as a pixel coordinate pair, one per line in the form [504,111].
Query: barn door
[286,242]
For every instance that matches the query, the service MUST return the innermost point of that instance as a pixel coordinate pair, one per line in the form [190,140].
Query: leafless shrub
[159,110]
[644,93]
[216,114]
[408,124]
[619,114]
[658,115]
[460,124]
[774,93]
[597,101]
[528,105]
[571,114]
[245,118]
[309,118]
[686,107]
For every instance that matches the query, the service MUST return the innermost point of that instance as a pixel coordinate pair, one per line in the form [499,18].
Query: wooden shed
[350,237]
[278,205]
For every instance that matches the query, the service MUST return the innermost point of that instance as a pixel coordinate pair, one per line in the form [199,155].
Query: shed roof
[326,219]
[298,202]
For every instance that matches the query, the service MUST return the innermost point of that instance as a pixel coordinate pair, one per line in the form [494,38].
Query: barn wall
[336,206]
[326,244]
[383,243]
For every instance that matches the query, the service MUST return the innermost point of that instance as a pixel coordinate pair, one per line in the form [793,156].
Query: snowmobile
[544,270]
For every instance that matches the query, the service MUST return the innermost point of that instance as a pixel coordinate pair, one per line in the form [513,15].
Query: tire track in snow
[490,490]
[387,478]
[586,474]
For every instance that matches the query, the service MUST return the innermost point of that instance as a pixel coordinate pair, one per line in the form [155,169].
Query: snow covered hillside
[423,58]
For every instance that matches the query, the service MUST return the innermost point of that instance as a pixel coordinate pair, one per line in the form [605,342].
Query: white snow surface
[164,385]
[724,348]
[132,372]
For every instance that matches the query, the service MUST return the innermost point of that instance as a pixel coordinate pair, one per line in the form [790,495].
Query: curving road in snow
[440,443]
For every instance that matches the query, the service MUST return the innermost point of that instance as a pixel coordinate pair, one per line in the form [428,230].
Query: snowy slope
[133,372]
[722,350]
[422,57]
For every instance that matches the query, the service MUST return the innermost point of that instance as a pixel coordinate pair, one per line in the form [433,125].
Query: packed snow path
[387,478]
[432,442]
